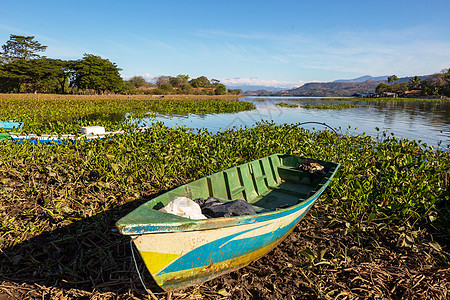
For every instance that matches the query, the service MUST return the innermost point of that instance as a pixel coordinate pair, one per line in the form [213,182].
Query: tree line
[433,85]
[181,84]
[24,70]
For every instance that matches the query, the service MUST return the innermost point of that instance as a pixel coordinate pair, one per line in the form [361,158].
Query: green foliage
[392,79]
[284,104]
[186,88]
[414,83]
[176,82]
[90,73]
[22,70]
[235,91]
[397,182]
[66,114]
[383,87]
[137,81]
[95,73]
[179,80]
[220,89]
[335,106]
[21,47]
[399,88]
[166,87]
[201,81]
[43,75]
[72,194]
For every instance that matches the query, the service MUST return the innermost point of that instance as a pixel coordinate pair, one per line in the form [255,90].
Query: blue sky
[276,43]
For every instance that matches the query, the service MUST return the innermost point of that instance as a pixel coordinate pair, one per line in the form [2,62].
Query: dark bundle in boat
[215,208]
[180,251]
[313,168]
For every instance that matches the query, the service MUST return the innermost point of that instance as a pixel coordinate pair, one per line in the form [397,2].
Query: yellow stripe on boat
[180,252]
[156,261]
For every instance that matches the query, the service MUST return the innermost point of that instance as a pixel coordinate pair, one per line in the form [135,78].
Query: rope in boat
[137,268]
[319,123]
[132,239]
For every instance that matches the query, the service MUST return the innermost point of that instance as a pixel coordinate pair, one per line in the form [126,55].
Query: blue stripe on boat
[208,254]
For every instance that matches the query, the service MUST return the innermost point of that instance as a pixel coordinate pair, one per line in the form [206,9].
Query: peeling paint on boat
[179,252]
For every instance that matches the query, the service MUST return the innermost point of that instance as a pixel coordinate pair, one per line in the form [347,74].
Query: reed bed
[381,230]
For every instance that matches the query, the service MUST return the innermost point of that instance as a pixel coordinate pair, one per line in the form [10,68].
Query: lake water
[427,121]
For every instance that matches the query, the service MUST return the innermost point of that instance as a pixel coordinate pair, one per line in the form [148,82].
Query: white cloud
[230,82]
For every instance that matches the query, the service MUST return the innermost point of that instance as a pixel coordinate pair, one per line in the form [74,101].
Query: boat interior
[269,183]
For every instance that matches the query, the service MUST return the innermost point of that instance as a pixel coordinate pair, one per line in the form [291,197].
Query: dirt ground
[323,258]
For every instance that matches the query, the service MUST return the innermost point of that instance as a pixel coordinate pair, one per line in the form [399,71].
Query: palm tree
[414,83]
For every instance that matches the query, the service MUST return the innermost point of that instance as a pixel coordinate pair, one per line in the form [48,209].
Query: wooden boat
[11,125]
[179,252]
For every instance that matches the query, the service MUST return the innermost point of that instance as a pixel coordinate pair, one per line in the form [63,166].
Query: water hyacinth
[400,180]
[63,114]
[58,205]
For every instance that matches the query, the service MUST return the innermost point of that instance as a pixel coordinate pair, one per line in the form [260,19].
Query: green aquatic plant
[284,104]
[59,202]
[67,113]
[334,106]
[396,179]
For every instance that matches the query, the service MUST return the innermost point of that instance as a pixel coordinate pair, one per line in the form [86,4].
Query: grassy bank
[67,113]
[380,230]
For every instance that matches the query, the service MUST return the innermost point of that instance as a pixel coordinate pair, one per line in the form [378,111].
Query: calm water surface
[427,121]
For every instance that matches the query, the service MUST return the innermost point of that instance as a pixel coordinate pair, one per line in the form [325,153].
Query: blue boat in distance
[11,125]
[88,132]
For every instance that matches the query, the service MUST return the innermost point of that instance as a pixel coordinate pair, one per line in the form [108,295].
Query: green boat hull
[180,252]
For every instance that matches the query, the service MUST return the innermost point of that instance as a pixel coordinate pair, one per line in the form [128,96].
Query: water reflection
[428,121]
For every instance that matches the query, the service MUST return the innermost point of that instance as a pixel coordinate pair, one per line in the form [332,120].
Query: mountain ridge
[337,88]
[364,78]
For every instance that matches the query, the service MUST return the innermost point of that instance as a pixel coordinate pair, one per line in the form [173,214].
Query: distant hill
[337,88]
[332,89]
[364,78]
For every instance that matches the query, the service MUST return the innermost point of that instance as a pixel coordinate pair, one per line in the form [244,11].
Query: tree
[201,81]
[96,73]
[162,79]
[215,82]
[392,79]
[137,81]
[414,83]
[235,91]
[33,75]
[186,88]
[185,78]
[176,81]
[13,75]
[21,47]
[400,87]
[382,87]
[220,89]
